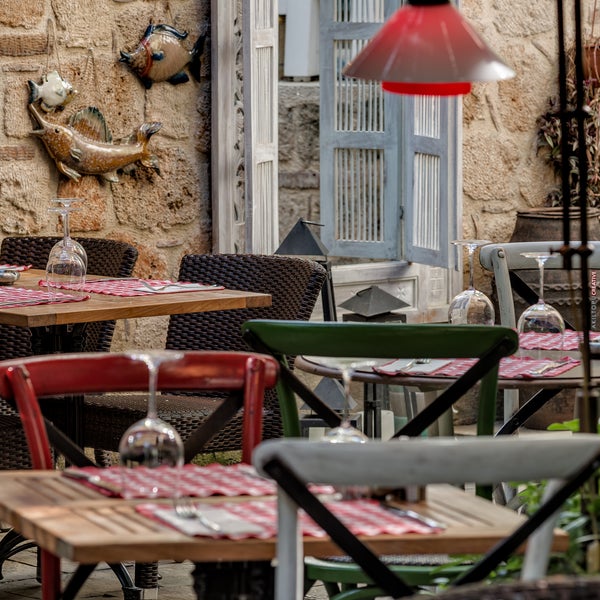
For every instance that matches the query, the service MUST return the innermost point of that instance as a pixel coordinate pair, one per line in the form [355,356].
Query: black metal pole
[588,410]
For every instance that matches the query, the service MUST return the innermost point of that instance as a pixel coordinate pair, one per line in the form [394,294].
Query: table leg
[527,410]
[61,339]
[251,580]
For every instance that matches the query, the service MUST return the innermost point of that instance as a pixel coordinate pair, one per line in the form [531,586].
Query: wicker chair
[294,284]
[105,257]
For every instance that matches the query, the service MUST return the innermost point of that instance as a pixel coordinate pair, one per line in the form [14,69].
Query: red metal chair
[26,380]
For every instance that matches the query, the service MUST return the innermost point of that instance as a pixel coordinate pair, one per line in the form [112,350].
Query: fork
[545,368]
[187,510]
[416,361]
[159,288]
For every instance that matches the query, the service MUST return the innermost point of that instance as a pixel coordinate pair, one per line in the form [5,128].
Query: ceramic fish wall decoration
[85,146]
[53,93]
[162,56]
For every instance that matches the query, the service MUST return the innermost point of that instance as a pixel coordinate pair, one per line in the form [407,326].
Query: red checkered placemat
[14,297]
[133,287]
[552,341]
[513,367]
[191,480]
[14,267]
[362,517]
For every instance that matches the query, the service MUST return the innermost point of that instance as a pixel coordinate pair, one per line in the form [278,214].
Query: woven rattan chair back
[105,257]
[294,284]
[111,258]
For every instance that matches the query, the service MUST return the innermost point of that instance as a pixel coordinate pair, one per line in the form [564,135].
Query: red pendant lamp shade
[427,48]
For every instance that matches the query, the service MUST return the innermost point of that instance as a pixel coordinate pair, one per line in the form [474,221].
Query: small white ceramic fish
[54,92]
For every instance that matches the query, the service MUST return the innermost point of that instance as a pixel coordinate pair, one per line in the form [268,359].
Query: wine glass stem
[346,379]
[152,379]
[66,224]
[471,279]
[541,266]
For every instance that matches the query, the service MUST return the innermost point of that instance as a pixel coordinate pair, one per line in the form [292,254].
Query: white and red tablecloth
[190,480]
[9,267]
[136,287]
[552,341]
[258,519]
[14,297]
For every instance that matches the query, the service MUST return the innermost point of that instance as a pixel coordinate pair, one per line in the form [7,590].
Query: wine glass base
[344,434]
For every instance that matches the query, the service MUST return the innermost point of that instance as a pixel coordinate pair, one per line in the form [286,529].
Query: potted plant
[549,143]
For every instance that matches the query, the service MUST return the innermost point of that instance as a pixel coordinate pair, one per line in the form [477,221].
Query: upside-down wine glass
[151,442]
[471,306]
[541,317]
[345,432]
[67,241]
[65,270]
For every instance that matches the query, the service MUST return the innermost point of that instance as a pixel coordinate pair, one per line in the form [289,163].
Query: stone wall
[169,214]
[501,172]
[164,215]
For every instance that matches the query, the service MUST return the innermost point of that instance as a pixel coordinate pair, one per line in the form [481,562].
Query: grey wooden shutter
[388,182]
[430,180]
[260,124]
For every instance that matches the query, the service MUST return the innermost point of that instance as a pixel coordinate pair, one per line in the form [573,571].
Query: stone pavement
[175,584]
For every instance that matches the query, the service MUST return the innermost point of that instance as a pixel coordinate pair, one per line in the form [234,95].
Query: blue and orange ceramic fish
[162,56]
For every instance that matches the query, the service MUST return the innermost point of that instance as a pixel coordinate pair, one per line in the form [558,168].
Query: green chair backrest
[389,340]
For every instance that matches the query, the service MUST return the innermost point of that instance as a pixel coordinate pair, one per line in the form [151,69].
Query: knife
[414,516]
[95,480]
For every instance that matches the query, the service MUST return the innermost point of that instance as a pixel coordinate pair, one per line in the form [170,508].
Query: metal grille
[427,201]
[263,14]
[358,11]
[263,95]
[427,116]
[358,103]
[359,194]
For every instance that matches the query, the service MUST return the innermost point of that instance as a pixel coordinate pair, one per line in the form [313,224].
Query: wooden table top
[102,307]
[77,523]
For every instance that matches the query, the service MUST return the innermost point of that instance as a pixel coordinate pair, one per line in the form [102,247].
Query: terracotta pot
[591,63]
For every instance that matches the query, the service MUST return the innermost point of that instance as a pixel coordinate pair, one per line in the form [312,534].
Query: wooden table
[74,522]
[61,327]
[101,307]
[545,387]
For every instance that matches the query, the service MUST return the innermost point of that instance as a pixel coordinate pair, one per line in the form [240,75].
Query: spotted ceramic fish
[85,146]
[161,56]
[54,92]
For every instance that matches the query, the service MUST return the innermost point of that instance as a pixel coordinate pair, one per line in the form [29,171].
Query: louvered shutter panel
[387,180]
[260,123]
[429,186]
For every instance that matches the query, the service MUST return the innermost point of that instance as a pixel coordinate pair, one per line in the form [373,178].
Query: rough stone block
[21,13]
[23,44]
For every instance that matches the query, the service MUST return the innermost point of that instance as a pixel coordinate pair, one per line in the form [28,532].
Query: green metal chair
[283,339]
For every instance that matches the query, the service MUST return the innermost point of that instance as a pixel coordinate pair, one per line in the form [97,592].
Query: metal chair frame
[295,463]
[23,381]
[505,261]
